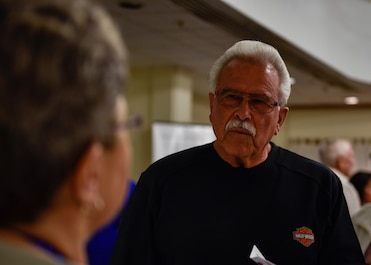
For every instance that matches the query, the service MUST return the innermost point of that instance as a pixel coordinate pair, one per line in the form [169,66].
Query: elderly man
[222,202]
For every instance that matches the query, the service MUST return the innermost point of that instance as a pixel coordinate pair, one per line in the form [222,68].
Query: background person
[338,155]
[362,225]
[211,204]
[65,153]
[362,219]
[362,182]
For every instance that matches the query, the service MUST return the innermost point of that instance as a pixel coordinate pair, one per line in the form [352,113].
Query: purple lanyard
[42,244]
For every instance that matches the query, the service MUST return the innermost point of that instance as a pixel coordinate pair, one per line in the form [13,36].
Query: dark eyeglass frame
[255,101]
[132,122]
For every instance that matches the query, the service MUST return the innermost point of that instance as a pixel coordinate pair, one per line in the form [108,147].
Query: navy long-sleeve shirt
[193,208]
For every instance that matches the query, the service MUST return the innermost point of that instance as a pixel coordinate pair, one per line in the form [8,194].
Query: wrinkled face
[346,162]
[117,165]
[259,84]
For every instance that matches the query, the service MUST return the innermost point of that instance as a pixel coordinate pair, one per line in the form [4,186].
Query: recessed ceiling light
[351,100]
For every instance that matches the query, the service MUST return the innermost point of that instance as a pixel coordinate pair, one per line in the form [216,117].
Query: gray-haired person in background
[212,204]
[338,155]
[65,153]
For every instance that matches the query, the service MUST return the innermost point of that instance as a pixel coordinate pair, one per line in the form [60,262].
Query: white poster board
[168,138]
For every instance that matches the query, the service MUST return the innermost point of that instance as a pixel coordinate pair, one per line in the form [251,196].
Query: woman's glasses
[132,122]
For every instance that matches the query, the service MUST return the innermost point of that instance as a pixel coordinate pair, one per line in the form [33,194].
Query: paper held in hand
[258,257]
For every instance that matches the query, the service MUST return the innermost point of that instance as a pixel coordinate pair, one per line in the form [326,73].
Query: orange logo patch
[304,235]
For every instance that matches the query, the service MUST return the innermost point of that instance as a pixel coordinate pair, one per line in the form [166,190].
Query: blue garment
[100,246]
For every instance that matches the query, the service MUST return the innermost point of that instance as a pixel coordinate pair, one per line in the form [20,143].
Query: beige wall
[346,122]
[156,94]
[310,123]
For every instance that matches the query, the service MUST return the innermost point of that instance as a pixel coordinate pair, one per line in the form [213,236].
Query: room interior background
[166,94]
[173,43]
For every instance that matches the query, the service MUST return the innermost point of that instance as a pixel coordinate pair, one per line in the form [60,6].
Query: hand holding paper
[258,257]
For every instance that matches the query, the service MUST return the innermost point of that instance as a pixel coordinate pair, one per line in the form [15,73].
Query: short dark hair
[360,181]
[62,66]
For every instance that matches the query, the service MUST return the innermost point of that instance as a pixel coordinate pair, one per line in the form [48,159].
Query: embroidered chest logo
[304,235]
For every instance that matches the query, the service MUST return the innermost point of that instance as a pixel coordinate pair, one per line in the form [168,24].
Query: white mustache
[241,124]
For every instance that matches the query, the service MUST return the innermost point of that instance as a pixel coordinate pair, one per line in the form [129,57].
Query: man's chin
[239,135]
[238,141]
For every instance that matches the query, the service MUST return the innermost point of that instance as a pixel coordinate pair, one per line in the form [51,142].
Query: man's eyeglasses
[257,102]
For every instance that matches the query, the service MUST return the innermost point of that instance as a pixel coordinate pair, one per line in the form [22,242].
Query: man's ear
[211,104]
[281,119]
[85,183]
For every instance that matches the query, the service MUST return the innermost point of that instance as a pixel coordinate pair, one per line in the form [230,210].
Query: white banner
[168,138]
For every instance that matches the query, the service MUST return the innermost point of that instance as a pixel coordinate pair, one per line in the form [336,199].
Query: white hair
[331,149]
[254,49]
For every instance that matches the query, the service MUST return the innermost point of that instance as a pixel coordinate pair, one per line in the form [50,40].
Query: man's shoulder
[182,159]
[304,166]
[295,160]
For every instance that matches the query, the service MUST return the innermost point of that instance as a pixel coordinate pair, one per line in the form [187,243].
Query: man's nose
[243,111]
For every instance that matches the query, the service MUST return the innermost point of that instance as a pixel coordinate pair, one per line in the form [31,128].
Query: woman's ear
[85,182]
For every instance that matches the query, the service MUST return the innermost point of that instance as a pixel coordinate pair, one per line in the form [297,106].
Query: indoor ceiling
[193,33]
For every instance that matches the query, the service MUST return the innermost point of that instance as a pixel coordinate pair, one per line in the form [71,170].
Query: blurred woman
[65,153]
